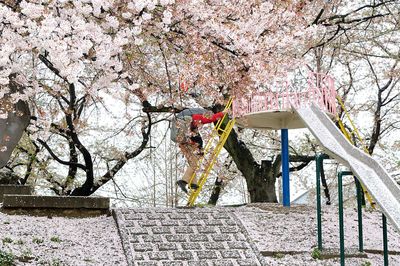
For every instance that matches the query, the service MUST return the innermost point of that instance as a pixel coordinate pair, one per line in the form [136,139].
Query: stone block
[213,246]
[147,223]
[191,246]
[134,239]
[137,231]
[155,216]
[133,216]
[230,254]
[167,246]
[238,245]
[176,238]
[143,247]
[199,216]
[152,238]
[178,216]
[199,238]
[223,263]
[55,202]
[161,230]
[170,222]
[206,230]
[215,222]
[174,263]
[221,238]
[182,255]
[221,215]
[199,263]
[193,223]
[207,255]
[229,229]
[184,230]
[158,255]
[15,190]
[147,263]
[247,262]
[139,256]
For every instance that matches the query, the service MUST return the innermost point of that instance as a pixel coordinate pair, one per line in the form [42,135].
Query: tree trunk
[216,192]
[260,179]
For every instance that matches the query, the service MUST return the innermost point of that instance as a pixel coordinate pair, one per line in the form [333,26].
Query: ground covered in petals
[45,240]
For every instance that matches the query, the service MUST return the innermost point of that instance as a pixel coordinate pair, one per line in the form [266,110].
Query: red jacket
[197,118]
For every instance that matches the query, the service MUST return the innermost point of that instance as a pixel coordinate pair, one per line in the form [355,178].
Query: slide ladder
[350,137]
[217,139]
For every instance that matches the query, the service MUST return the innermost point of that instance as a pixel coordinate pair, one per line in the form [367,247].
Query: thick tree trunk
[260,179]
[262,185]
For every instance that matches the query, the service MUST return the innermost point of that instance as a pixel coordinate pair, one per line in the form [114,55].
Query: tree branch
[55,157]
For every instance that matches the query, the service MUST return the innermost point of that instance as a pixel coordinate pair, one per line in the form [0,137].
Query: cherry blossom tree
[68,54]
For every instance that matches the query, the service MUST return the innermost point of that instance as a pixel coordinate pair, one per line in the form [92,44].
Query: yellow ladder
[349,135]
[207,161]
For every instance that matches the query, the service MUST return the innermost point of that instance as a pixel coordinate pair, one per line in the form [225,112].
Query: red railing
[320,90]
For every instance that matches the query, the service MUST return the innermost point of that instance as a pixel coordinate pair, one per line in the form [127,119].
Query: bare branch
[55,157]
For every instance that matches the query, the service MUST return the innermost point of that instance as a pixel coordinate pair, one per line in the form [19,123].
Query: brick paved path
[200,236]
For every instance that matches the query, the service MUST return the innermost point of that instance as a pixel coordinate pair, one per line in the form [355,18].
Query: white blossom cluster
[84,41]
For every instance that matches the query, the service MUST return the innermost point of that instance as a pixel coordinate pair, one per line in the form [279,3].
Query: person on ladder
[185,131]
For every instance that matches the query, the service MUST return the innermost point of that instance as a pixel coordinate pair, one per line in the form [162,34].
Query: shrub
[6,259]
[7,240]
[279,255]
[316,254]
[55,239]
[37,240]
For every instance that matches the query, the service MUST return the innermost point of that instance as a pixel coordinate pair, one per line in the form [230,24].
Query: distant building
[309,197]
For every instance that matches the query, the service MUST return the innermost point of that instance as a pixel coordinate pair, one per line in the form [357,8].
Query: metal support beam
[360,195]
[385,241]
[341,219]
[285,167]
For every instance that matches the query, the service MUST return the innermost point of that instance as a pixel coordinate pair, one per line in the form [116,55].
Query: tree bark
[260,178]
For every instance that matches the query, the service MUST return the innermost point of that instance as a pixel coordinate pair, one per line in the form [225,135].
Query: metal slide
[370,173]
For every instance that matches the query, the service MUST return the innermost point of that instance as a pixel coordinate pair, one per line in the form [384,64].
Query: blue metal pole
[285,167]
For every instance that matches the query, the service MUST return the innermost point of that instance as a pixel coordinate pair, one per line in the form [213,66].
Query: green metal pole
[359,210]
[385,241]
[341,222]
[318,187]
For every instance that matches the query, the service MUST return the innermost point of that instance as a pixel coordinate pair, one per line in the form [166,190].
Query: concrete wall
[14,189]
[57,202]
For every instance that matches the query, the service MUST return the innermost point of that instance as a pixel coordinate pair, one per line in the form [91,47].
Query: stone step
[14,189]
[55,202]
[191,236]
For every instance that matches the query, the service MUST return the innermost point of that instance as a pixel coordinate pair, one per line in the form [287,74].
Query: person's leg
[192,159]
[188,174]
[198,145]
